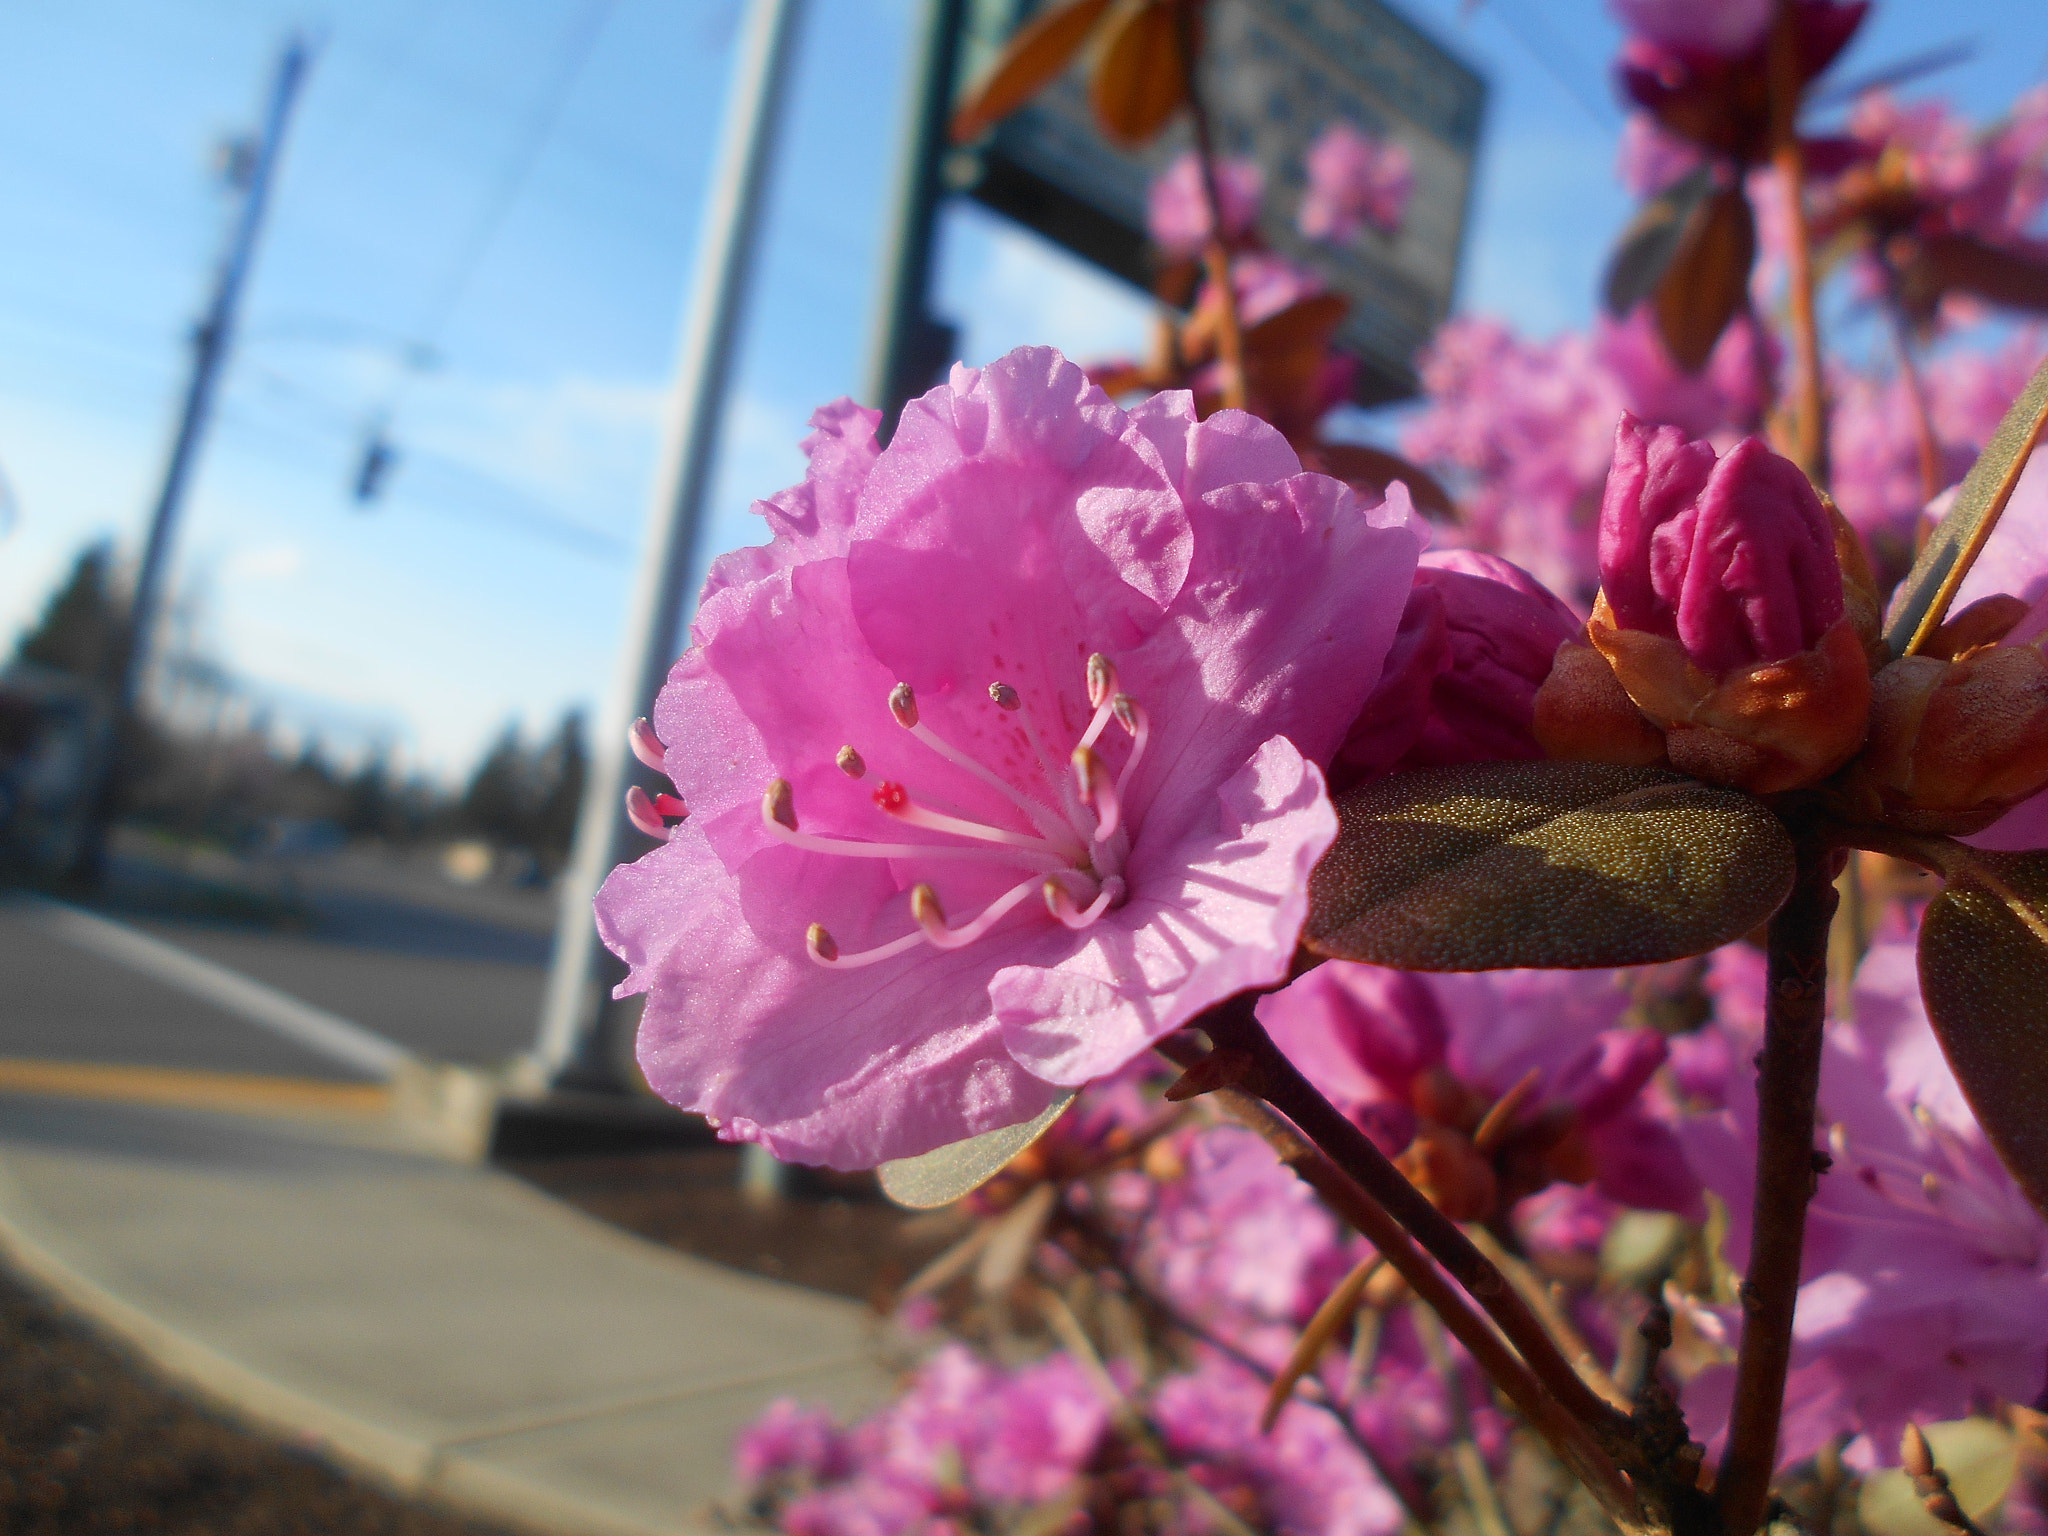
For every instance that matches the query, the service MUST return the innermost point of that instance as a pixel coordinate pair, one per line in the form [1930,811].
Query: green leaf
[1651,242]
[1984,975]
[1924,596]
[941,1176]
[1708,279]
[1488,866]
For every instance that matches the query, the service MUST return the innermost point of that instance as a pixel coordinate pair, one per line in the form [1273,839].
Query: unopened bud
[851,763]
[779,804]
[903,705]
[1954,745]
[1005,696]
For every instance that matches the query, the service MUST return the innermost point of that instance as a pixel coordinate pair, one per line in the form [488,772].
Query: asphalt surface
[452,973]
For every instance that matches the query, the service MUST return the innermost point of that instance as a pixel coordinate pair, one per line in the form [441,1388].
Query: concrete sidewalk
[446,1326]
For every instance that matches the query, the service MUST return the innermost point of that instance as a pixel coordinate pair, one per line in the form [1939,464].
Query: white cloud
[265,562]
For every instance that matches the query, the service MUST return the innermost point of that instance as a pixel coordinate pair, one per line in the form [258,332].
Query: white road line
[326,1033]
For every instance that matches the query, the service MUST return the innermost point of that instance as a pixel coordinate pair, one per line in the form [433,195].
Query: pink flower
[1354,180]
[1177,207]
[1241,1245]
[789,1440]
[1306,1477]
[1926,1287]
[1002,768]
[1728,392]
[1398,1051]
[1734,559]
[1727,27]
[1527,428]
[1475,643]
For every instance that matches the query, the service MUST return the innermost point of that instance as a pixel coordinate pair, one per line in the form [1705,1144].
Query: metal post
[580,1042]
[211,341]
[910,346]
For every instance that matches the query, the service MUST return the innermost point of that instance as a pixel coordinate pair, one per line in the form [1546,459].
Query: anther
[1005,696]
[891,796]
[925,908]
[779,804]
[641,812]
[647,746]
[903,705]
[822,945]
[1091,774]
[670,806]
[1930,1186]
[1125,708]
[1101,680]
[851,763]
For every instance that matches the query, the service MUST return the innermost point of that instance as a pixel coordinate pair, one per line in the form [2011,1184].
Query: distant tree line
[233,782]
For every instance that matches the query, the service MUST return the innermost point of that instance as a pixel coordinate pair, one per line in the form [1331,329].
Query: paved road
[449,973]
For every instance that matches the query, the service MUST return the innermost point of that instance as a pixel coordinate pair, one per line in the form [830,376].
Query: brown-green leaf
[942,1176]
[1651,241]
[1140,79]
[1027,65]
[1488,866]
[1984,975]
[1924,596]
[1708,277]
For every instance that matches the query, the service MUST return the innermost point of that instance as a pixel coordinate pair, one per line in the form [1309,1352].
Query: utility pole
[580,1043]
[211,342]
[909,345]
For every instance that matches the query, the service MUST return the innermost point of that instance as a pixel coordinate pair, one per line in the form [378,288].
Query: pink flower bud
[1475,644]
[1735,559]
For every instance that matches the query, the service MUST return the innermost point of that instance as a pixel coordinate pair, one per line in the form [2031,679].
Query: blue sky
[517,182]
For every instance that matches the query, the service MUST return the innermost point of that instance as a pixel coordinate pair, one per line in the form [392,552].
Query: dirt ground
[92,1441]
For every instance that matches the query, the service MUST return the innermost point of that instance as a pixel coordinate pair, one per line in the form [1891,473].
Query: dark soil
[92,1440]
[831,1232]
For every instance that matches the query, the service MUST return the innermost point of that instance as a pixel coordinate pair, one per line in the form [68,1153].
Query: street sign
[1275,74]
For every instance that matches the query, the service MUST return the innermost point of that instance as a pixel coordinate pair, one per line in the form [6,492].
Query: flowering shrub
[1461,1039]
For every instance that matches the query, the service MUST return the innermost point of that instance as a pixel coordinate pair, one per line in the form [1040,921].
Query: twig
[1397,1483]
[1215,254]
[1787,1170]
[1281,1084]
[1533,1291]
[1465,1458]
[1810,438]
[1574,1443]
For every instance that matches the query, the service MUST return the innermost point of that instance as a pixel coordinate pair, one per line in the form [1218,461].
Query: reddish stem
[1810,440]
[1787,1171]
[1215,254]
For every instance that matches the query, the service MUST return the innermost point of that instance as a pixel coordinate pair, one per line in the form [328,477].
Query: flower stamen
[647,746]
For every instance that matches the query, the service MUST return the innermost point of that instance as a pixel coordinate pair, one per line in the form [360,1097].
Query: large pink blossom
[1926,1274]
[1355,180]
[1001,763]
[1394,1049]
[1177,204]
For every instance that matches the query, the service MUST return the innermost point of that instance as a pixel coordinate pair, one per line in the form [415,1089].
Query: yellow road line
[245,1092]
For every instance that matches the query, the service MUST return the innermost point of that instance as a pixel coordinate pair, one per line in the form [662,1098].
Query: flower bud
[1459,686]
[1725,617]
[1959,732]
[1735,559]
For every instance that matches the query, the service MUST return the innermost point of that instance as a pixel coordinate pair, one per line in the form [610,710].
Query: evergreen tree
[564,764]
[499,799]
[83,630]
